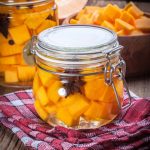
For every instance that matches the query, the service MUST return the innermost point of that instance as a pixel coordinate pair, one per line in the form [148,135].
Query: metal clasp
[29,51]
[108,75]
[122,68]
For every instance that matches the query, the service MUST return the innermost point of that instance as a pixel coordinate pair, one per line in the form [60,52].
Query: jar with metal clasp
[19,21]
[79,81]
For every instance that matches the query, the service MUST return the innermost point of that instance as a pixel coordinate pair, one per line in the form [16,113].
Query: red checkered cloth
[130,131]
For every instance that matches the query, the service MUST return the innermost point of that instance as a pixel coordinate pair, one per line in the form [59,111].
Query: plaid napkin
[130,131]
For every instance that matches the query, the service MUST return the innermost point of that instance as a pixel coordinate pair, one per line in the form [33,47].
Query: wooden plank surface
[140,86]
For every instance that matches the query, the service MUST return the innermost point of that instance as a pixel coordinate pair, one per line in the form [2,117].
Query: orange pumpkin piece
[45,25]
[93,111]
[39,109]
[64,115]
[17,19]
[106,111]
[7,49]
[10,60]
[80,14]
[108,25]
[99,110]
[52,91]
[108,95]
[51,109]
[120,33]
[25,73]
[85,19]
[143,24]
[122,25]
[20,34]
[35,19]
[111,12]
[5,67]
[79,106]
[36,84]
[127,17]
[11,76]
[94,89]
[135,12]
[41,95]
[46,78]
[73,21]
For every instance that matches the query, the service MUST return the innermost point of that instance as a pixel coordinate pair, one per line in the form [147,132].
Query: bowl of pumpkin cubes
[131,24]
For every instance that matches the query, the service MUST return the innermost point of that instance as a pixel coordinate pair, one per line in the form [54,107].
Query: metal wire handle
[108,75]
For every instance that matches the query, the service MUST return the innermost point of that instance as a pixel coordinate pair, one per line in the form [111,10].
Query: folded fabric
[131,130]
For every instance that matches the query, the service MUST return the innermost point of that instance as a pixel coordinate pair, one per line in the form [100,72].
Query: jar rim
[12,3]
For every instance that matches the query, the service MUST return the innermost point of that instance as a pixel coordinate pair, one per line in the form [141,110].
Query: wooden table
[140,86]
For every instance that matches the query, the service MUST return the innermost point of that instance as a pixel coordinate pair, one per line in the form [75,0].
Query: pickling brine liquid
[78,102]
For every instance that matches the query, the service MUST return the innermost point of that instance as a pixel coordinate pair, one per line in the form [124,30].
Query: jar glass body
[19,21]
[76,100]
[78,84]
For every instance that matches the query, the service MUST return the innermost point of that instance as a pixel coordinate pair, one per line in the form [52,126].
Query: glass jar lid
[76,39]
[72,46]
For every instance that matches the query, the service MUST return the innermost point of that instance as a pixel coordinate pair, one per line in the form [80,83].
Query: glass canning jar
[79,79]
[19,21]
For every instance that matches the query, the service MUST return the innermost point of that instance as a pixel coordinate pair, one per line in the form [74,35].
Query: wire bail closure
[109,71]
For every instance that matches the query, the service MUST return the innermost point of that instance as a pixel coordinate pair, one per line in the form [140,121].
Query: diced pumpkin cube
[17,19]
[80,14]
[93,111]
[122,25]
[46,78]
[120,33]
[108,95]
[66,102]
[97,16]
[127,17]
[111,12]
[41,95]
[51,109]
[7,49]
[99,110]
[85,19]
[10,60]
[128,5]
[64,115]
[5,67]
[20,34]
[92,9]
[79,106]
[52,91]
[26,73]
[135,12]
[73,21]
[108,25]
[143,24]
[36,84]
[39,109]
[45,25]
[35,19]
[94,89]
[106,111]
[11,76]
